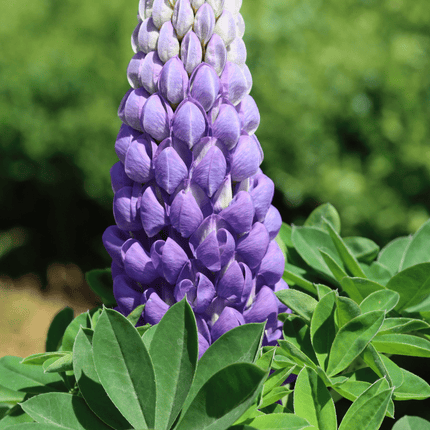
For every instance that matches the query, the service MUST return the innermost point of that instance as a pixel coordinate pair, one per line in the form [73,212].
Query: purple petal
[245,159]
[229,319]
[234,82]
[148,36]
[240,213]
[168,43]
[281,285]
[253,246]
[204,23]
[156,117]
[262,195]
[249,115]
[173,259]
[134,38]
[205,85]
[113,239]
[227,126]
[118,177]
[189,123]
[230,285]
[170,170]
[133,70]
[183,17]
[152,213]
[126,294]
[156,253]
[226,27]
[125,136]
[264,307]
[185,213]
[191,51]
[205,293]
[203,345]
[226,244]
[173,82]
[131,107]
[123,211]
[116,270]
[150,71]
[223,196]
[273,264]
[161,12]
[137,262]
[273,222]
[236,51]
[155,308]
[184,288]
[216,54]
[208,252]
[138,162]
[210,172]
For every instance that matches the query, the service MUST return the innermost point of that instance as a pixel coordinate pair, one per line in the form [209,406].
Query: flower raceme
[192,208]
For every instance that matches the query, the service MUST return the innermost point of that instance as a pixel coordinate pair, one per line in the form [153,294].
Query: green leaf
[323,329]
[325,211]
[413,285]
[82,320]
[337,271]
[100,281]
[345,254]
[14,416]
[351,390]
[369,408]
[10,396]
[346,310]
[301,303]
[36,426]
[322,290]
[374,360]
[276,379]
[418,249]
[383,300]
[295,279]
[62,364]
[121,360]
[135,314]
[280,422]
[394,372]
[402,325]
[352,339]
[39,359]
[293,352]
[413,388]
[235,346]
[411,423]
[307,241]
[273,396]
[402,344]
[57,328]
[148,335]
[223,398]
[376,272]
[359,288]
[63,409]
[363,249]
[89,383]
[285,235]
[174,352]
[312,401]
[143,329]
[391,255]
[27,378]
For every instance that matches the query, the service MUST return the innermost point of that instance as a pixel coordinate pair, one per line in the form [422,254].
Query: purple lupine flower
[192,208]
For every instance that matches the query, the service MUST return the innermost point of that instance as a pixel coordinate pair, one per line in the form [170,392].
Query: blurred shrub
[342,86]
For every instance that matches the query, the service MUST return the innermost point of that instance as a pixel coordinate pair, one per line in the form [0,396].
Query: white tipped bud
[226,27]
[162,11]
[236,52]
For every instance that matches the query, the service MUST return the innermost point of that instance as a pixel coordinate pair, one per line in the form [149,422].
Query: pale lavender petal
[173,82]
[148,36]
[253,246]
[210,172]
[152,213]
[205,85]
[273,222]
[262,195]
[145,8]
[204,23]
[113,238]
[185,213]
[233,6]
[227,126]
[264,308]
[156,117]
[168,43]
[240,213]
[126,294]
[191,51]
[236,51]
[183,17]
[173,259]
[134,38]
[245,159]
[133,70]
[196,4]
[138,161]
[150,71]
[216,54]
[161,12]
[272,266]
[131,107]
[125,136]
[118,177]
[217,6]
[229,319]
[137,262]
[155,308]
[226,27]
[123,211]
[170,170]
[249,115]
[189,123]
[234,82]
[240,25]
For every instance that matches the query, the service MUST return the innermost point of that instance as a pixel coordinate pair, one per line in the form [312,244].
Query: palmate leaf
[402,344]
[57,328]
[346,310]
[301,303]
[363,249]
[413,387]
[323,212]
[280,422]
[418,249]
[383,300]
[391,255]
[39,359]
[14,416]
[402,325]
[359,288]
[82,320]
[411,423]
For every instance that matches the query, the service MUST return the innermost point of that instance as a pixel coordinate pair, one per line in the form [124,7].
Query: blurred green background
[343,88]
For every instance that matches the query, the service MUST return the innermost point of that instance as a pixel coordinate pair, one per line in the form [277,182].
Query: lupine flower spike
[192,208]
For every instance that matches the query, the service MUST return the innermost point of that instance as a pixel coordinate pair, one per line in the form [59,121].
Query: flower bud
[150,71]
[216,54]
[156,116]
[168,44]
[183,17]
[205,86]
[148,36]
[189,123]
[173,81]
[204,23]
[226,27]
